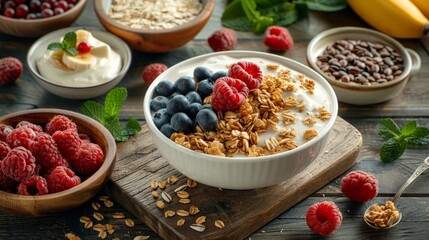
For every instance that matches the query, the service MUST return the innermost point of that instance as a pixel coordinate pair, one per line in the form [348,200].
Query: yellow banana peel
[423,5]
[397,18]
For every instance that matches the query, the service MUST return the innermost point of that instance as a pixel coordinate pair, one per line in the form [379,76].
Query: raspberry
[278,38]
[36,128]
[248,72]
[33,185]
[68,142]
[22,136]
[7,184]
[46,152]
[4,150]
[84,137]
[359,186]
[19,164]
[223,39]
[152,71]
[4,131]
[90,159]
[62,178]
[324,217]
[10,70]
[59,123]
[228,93]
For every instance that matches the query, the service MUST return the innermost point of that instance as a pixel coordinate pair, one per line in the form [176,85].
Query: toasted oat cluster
[265,109]
[151,14]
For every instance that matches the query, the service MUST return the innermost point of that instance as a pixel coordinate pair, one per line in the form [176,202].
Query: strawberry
[278,38]
[152,71]
[229,93]
[324,217]
[359,186]
[10,70]
[248,72]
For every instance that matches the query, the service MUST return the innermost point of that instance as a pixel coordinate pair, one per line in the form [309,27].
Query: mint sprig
[68,44]
[108,115]
[398,139]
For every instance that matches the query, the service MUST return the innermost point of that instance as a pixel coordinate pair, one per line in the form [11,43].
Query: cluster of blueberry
[179,107]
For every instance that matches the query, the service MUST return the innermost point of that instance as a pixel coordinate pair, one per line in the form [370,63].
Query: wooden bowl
[73,197]
[39,27]
[155,41]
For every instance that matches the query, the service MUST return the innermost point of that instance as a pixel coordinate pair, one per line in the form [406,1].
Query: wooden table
[412,104]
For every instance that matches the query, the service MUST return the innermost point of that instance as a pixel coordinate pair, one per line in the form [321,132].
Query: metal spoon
[423,167]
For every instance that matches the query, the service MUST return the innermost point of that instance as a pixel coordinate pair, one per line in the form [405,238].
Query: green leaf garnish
[68,44]
[108,115]
[397,139]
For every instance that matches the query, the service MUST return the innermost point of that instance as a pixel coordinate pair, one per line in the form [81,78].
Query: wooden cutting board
[243,212]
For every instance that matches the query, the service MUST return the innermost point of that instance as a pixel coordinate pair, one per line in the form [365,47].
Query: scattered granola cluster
[265,109]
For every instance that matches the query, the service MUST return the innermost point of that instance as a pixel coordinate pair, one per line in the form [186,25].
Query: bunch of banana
[397,18]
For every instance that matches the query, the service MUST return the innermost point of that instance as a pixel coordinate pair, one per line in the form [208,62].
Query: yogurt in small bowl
[85,75]
[243,171]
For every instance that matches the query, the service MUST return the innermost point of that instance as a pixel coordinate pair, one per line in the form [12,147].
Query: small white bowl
[39,48]
[239,172]
[363,94]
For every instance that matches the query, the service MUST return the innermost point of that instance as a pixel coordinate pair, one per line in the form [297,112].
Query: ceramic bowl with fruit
[154,26]
[363,66]
[34,18]
[240,119]
[52,160]
[79,63]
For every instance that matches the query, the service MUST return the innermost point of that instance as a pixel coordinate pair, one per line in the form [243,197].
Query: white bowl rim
[121,73]
[242,53]
[40,20]
[340,30]
[206,10]
[84,184]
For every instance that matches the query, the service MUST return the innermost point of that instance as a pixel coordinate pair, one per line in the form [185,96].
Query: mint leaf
[409,129]
[70,40]
[114,100]
[419,137]
[94,110]
[108,114]
[68,44]
[392,149]
[55,46]
[326,5]
[387,129]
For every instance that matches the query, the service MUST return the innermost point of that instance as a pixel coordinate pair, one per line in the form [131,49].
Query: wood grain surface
[139,163]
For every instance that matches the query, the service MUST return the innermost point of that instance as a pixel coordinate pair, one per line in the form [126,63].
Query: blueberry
[164,88]
[167,130]
[181,123]
[184,84]
[207,120]
[218,75]
[178,103]
[193,97]
[174,94]
[207,106]
[161,117]
[158,102]
[201,73]
[205,88]
[194,108]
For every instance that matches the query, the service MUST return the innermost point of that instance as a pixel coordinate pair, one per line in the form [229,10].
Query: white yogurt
[106,64]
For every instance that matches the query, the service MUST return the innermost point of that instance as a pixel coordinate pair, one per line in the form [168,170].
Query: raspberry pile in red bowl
[36,160]
[35,9]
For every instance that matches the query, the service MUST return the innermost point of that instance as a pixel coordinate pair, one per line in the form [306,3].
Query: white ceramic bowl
[363,94]
[39,48]
[240,172]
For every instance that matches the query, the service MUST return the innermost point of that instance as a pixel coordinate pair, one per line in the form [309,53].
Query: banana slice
[84,36]
[101,50]
[82,61]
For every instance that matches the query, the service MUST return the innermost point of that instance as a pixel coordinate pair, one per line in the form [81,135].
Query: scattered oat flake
[160,204]
[201,220]
[162,184]
[198,227]
[108,203]
[88,225]
[96,206]
[141,238]
[72,236]
[185,200]
[103,198]
[84,219]
[129,222]
[154,184]
[118,215]
[155,194]
[172,180]
[182,213]
[167,197]
[219,224]
[98,216]
[180,222]
[102,234]
[169,213]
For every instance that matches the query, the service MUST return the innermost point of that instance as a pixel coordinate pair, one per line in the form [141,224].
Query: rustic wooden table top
[411,104]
